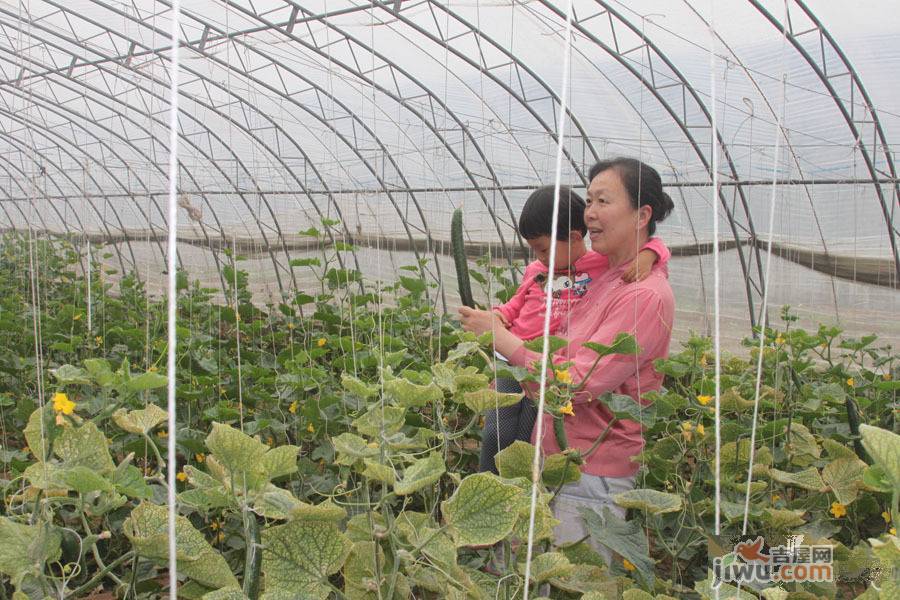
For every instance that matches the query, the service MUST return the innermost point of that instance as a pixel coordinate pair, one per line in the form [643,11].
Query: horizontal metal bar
[455,189]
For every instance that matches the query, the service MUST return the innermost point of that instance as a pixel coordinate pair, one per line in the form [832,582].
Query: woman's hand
[479,321]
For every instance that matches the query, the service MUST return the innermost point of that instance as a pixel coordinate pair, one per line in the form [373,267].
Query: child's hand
[640,267]
[502,318]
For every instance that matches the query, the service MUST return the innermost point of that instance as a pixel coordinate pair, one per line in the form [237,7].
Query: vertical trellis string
[714,149]
[765,298]
[172,293]
[548,306]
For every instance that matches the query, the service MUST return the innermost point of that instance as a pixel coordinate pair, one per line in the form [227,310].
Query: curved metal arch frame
[227,178]
[186,140]
[403,102]
[371,82]
[846,113]
[128,143]
[651,86]
[60,170]
[785,139]
[483,69]
[6,165]
[324,121]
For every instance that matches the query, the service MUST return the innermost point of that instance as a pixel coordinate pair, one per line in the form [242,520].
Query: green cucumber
[459,258]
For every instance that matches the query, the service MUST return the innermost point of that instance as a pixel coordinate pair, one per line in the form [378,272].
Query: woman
[625,200]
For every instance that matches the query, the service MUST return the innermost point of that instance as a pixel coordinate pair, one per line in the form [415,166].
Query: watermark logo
[753,562]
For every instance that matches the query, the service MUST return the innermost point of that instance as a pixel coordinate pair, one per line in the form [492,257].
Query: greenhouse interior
[462,299]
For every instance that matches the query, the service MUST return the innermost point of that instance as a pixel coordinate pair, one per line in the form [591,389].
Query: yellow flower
[270,440]
[310,428]
[704,400]
[775,498]
[293,408]
[627,564]
[182,476]
[886,516]
[162,434]
[321,342]
[687,431]
[779,340]
[703,359]
[214,525]
[886,376]
[290,325]
[687,426]
[838,510]
[220,537]
[567,409]
[850,381]
[892,531]
[98,339]
[153,369]
[77,317]
[200,457]
[62,404]
[564,376]
[701,431]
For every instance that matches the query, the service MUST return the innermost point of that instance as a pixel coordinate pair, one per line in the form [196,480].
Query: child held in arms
[574,268]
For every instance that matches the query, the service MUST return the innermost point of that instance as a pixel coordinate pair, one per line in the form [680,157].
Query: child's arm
[509,311]
[654,250]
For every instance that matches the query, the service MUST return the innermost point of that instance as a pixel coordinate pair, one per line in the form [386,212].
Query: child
[523,314]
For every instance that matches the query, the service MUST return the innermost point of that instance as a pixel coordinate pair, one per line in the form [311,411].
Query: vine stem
[77,593]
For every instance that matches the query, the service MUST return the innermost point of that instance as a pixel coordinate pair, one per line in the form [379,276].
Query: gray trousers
[593,492]
[505,425]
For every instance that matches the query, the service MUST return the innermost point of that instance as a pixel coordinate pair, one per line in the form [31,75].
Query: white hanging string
[715,215]
[548,306]
[765,298]
[172,292]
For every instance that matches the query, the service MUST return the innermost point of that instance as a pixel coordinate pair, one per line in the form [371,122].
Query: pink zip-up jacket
[525,310]
[645,309]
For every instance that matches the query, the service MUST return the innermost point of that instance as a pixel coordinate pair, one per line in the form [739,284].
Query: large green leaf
[361,575]
[547,566]
[84,480]
[325,511]
[41,427]
[558,470]
[553,344]
[625,407]
[407,394]
[653,502]
[140,421]
[884,447]
[84,446]
[280,461]
[488,399]
[481,510]
[844,476]
[146,381]
[420,474]
[225,594]
[623,344]
[129,480]
[46,476]
[376,471]
[298,558]
[515,460]
[623,537]
[808,479]
[25,548]
[421,532]
[70,374]
[378,419]
[358,388]
[241,454]
[147,528]
[351,448]
[273,502]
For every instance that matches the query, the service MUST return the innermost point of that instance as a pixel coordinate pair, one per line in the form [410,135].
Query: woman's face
[613,224]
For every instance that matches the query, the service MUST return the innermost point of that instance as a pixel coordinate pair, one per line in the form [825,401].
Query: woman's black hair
[643,184]
[537,214]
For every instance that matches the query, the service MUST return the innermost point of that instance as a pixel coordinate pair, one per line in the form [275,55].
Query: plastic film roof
[385,116]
